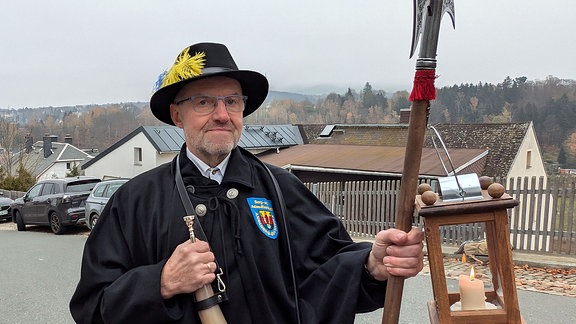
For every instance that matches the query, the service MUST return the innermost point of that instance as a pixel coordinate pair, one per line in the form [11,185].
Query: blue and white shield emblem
[263,215]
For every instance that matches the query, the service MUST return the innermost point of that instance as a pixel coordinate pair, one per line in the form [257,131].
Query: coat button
[232,193]
[200,209]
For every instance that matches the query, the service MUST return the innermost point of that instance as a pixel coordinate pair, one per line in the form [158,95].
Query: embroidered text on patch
[263,214]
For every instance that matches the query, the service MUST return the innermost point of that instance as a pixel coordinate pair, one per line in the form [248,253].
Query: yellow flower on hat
[184,68]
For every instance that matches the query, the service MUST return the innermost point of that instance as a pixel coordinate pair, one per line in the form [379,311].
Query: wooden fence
[543,222]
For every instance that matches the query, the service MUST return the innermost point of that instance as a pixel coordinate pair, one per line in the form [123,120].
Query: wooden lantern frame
[492,212]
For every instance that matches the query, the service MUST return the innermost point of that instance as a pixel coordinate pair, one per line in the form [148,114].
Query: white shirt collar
[216,173]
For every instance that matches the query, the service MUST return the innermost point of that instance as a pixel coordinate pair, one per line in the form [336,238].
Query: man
[280,255]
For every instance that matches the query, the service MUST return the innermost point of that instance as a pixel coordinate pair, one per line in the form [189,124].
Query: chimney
[404,116]
[68,139]
[28,143]
[47,145]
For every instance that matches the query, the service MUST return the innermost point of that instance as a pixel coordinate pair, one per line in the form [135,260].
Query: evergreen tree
[74,172]
[368,97]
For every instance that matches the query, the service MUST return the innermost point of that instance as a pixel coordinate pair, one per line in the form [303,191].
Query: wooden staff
[212,315]
[427,16]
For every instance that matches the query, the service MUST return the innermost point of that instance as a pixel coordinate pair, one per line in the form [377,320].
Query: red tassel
[424,85]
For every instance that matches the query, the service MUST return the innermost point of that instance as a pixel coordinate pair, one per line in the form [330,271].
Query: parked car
[98,199]
[5,211]
[58,203]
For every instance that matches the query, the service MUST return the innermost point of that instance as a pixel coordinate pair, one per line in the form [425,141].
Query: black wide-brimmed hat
[200,61]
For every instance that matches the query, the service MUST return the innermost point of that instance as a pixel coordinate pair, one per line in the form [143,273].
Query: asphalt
[39,253]
[546,273]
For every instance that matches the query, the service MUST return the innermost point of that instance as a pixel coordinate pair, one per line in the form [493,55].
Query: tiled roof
[501,140]
[385,159]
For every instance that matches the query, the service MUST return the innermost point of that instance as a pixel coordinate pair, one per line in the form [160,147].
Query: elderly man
[271,251]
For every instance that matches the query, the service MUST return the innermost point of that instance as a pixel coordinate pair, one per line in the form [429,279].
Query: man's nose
[220,109]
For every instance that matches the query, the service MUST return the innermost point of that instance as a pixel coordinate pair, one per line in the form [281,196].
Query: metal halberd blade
[422,9]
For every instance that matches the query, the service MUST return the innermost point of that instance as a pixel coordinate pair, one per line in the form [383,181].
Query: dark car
[5,203]
[58,203]
[98,199]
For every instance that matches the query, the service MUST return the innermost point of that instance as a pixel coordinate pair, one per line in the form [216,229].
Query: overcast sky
[75,52]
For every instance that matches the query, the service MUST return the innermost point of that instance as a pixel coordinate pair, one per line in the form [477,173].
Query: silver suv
[98,199]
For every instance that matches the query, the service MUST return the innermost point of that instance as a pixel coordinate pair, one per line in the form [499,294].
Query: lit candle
[472,294]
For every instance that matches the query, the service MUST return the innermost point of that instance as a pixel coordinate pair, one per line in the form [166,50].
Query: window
[528,159]
[99,191]
[35,191]
[137,156]
[48,189]
[112,189]
[68,165]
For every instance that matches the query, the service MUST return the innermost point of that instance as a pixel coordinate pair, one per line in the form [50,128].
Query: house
[376,152]
[338,162]
[513,148]
[49,158]
[149,146]
[506,150]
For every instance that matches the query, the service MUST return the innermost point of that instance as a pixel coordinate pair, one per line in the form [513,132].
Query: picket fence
[543,221]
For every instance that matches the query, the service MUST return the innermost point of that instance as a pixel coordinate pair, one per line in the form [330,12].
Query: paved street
[40,271]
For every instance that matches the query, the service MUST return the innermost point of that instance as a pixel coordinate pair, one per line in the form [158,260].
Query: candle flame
[472,274]
[463,257]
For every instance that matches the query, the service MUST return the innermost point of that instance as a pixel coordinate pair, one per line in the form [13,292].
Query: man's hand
[190,267]
[397,253]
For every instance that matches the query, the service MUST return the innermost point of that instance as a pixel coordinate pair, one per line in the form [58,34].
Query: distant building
[49,158]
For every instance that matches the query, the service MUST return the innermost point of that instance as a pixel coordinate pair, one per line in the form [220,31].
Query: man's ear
[175,115]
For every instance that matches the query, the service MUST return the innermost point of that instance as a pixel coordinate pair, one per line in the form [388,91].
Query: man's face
[209,136]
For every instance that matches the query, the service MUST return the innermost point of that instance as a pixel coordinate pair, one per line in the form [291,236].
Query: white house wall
[164,158]
[520,171]
[56,170]
[120,162]
[519,166]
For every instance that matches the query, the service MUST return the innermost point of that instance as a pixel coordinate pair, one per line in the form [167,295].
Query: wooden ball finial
[485,182]
[429,197]
[423,187]
[495,190]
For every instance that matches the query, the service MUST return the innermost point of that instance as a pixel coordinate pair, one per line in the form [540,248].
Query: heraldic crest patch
[263,214]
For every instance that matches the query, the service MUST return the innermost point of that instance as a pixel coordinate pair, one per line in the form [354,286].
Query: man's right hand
[190,267]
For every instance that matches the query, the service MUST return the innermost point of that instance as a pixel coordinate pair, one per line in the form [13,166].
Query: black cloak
[142,224]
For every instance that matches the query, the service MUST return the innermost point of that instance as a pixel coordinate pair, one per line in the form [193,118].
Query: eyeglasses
[207,104]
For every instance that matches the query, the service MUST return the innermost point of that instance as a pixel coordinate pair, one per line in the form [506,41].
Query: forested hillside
[550,104]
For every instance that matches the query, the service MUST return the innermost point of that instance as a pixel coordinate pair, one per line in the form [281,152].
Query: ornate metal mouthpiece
[189,220]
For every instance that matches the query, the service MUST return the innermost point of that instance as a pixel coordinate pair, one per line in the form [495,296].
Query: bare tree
[8,144]
[18,159]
